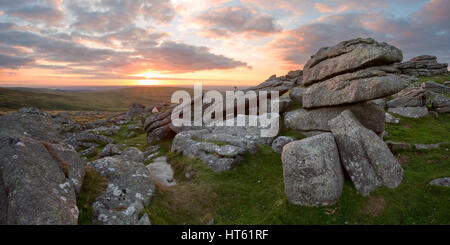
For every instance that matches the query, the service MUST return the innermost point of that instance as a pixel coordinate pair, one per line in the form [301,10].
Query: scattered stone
[280,142]
[312,171]
[441,103]
[411,112]
[391,119]
[437,87]
[161,172]
[397,147]
[408,97]
[89,152]
[426,146]
[135,110]
[110,150]
[365,156]
[144,220]
[441,182]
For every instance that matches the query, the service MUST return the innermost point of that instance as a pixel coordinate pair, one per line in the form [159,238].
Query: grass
[93,186]
[253,193]
[439,79]
[426,130]
[106,100]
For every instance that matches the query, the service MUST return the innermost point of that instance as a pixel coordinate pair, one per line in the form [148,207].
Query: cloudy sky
[217,42]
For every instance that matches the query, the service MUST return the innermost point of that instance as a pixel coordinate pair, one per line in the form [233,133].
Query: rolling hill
[108,100]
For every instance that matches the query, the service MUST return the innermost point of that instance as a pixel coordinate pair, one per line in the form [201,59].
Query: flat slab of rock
[367,159]
[129,189]
[348,56]
[391,119]
[370,115]
[408,97]
[368,84]
[161,172]
[426,146]
[411,112]
[441,182]
[398,146]
[312,171]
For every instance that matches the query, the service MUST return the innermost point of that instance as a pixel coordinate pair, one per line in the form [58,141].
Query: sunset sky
[218,42]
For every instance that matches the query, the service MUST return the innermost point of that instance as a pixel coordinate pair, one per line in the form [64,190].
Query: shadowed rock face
[365,156]
[368,113]
[348,56]
[312,171]
[40,174]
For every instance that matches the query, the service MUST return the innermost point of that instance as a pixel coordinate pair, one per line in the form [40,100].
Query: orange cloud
[324,8]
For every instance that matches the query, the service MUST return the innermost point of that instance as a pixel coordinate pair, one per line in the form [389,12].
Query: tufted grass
[438,79]
[253,193]
[93,186]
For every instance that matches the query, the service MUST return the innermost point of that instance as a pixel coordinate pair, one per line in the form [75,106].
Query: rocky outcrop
[347,57]
[110,150]
[296,94]
[441,103]
[312,171]
[346,77]
[135,110]
[41,175]
[84,139]
[367,84]
[424,65]
[369,114]
[441,182]
[129,189]
[222,148]
[366,158]
[158,126]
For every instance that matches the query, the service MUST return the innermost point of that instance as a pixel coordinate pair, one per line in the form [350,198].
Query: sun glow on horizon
[148,82]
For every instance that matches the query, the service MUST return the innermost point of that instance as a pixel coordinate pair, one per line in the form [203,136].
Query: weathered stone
[398,146]
[161,172]
[441,182]
[312,171]
[135,110]
[368,84]
[391,119]
[296,94]
[408,97]
[129,189]
[281,141]
[370,115]
[38,181]
[164,132]
[437,88]
[110,150]
[31,122]
[365,156]
[411,112]
[424,65]
[426,146]
[441,103]
[348,56]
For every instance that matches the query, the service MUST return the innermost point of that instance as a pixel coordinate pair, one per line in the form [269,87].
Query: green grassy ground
[253,193]
[107,100]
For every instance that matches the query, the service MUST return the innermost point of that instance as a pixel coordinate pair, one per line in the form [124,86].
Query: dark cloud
[179,57]
[13,62]
[229,21]
[427,31]
[45,11]
[112,15]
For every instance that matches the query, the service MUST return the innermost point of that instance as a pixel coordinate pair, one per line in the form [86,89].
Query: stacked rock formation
[342,85]
[424,65]
[158,126]
[347,76]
